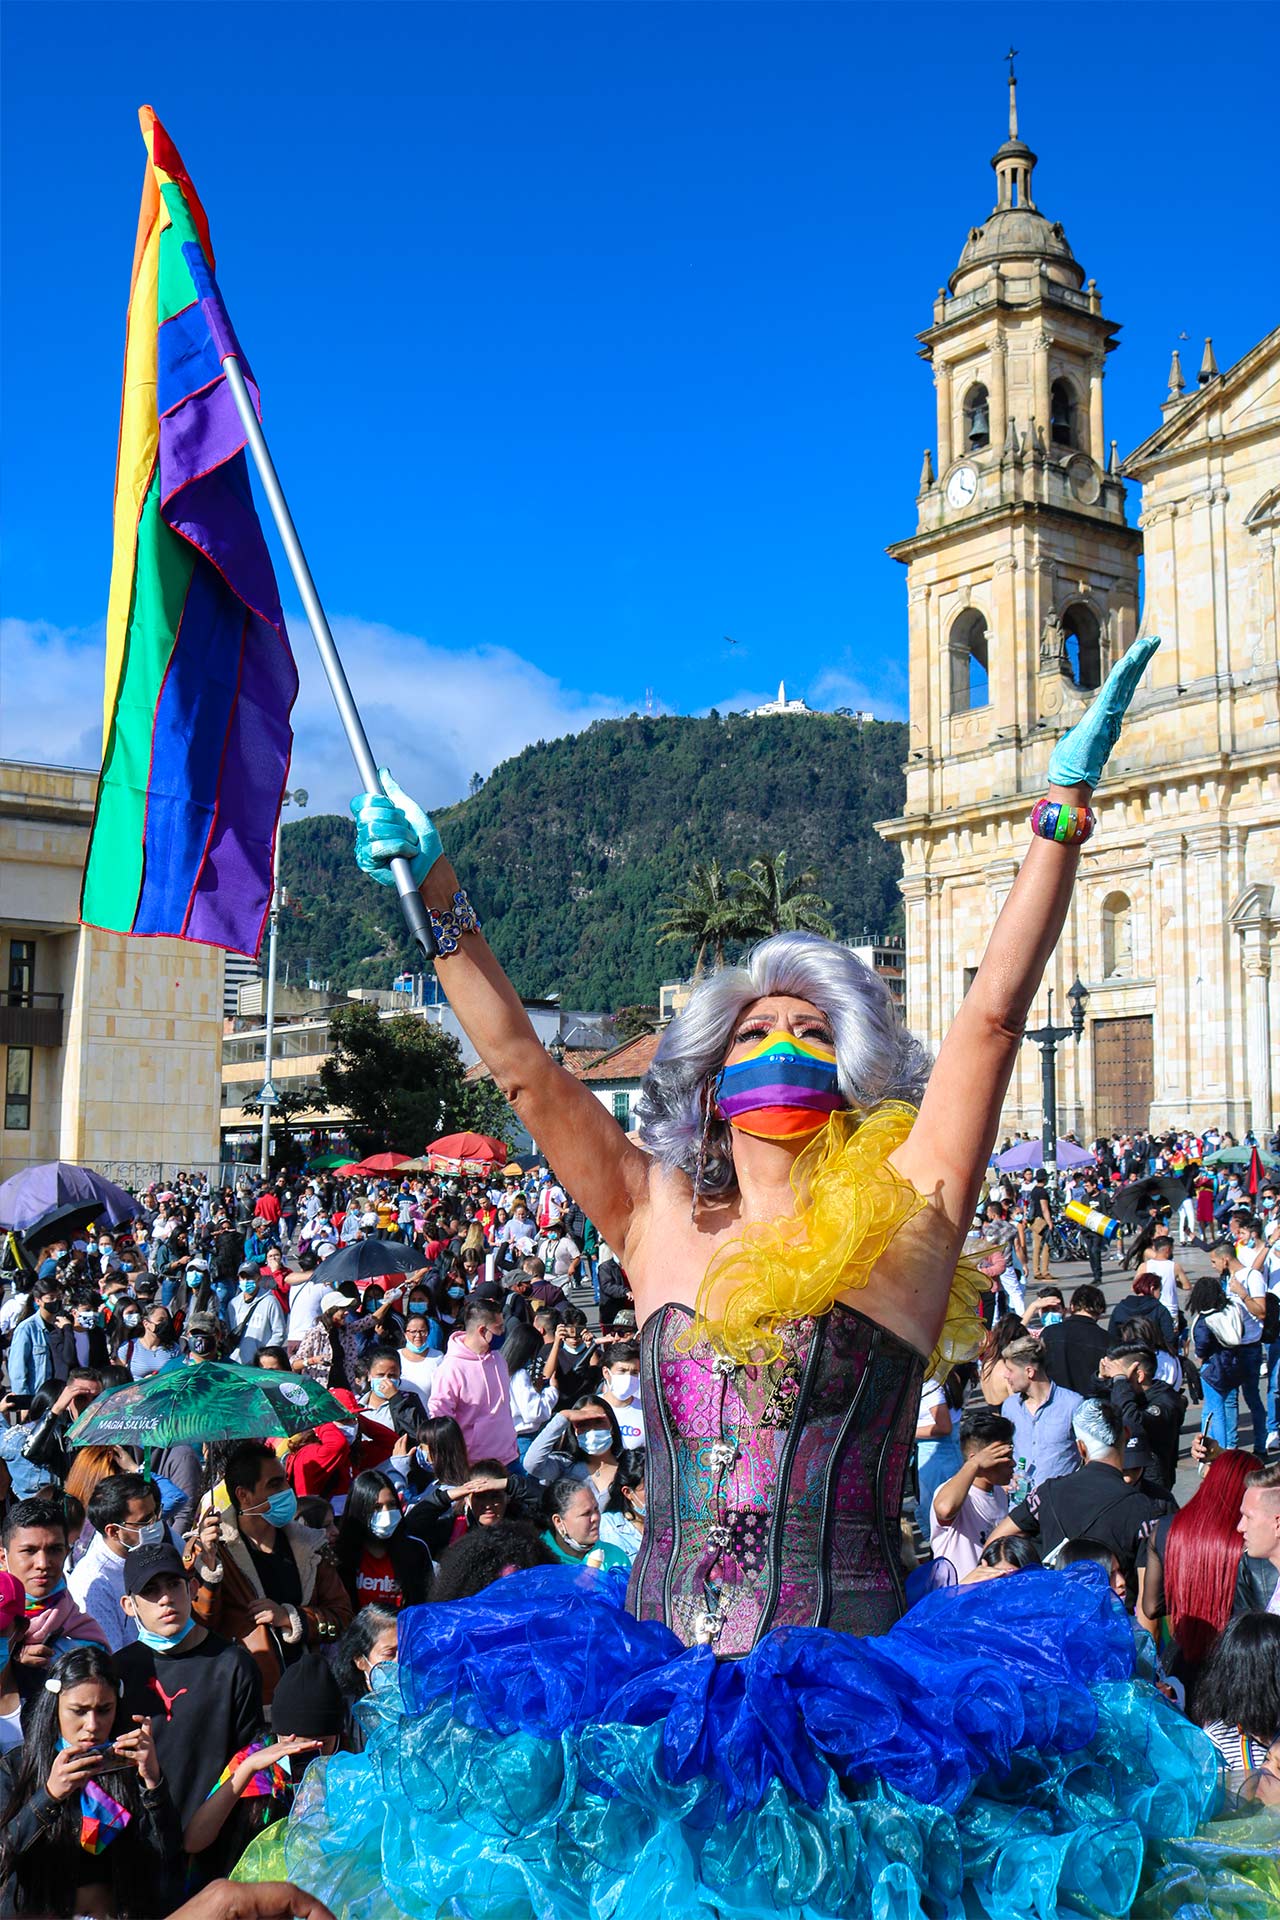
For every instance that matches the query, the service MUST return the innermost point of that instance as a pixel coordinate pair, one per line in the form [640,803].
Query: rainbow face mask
[780,1089]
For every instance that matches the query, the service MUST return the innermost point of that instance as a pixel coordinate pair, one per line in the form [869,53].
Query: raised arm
[946,1154]
[584,1143]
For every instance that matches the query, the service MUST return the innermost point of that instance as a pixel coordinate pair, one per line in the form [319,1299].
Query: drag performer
[753,1727]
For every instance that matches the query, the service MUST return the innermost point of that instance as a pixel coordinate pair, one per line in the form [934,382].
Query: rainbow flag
[200,680]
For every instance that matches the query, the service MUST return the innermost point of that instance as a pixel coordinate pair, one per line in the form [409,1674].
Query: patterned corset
[773,1492]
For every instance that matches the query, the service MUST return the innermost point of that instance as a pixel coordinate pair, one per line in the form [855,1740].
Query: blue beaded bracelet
[449,926]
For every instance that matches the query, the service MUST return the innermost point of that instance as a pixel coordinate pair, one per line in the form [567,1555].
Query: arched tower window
[1062,424]
[968,649]
[977,419]
[1084,645]
[1117,937]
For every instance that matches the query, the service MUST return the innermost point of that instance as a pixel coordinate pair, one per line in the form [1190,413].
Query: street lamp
[556,1048]
[1047,1038]
[269,1098]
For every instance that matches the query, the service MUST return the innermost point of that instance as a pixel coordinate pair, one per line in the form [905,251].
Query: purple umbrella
[1030,1153]
[37,1190]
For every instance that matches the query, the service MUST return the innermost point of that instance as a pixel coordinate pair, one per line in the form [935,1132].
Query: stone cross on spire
[1011,56]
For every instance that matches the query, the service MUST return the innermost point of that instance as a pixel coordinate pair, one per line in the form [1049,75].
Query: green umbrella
[196,1400]
[1241,1156]
[322,1161]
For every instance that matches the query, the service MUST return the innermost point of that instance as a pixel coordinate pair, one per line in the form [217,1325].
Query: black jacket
[1095,1503]
[142,1864]
[1156,1413]
[1073,1348]
[1135,1306]
[410,1564]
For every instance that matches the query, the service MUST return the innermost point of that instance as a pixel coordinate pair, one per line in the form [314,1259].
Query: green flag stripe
[162,573]
[177,288]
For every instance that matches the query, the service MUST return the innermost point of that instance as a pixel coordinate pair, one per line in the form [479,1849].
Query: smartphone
[113,1762]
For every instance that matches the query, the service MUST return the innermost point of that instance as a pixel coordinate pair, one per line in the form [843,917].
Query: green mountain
[570,850]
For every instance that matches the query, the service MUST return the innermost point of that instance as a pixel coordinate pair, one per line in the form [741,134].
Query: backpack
[1226,1324]
[1271,1317]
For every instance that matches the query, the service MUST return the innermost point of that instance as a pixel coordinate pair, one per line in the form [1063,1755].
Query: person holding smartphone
[86,1822]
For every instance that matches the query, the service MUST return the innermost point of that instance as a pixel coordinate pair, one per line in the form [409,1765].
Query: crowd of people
[184,1630]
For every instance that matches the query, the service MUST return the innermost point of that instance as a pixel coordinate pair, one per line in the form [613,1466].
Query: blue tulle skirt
[545,1756]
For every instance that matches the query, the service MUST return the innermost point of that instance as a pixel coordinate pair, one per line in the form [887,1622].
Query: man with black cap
[203,1694]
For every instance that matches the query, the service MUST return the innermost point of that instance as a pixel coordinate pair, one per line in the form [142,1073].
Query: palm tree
[768,902]
[704,913]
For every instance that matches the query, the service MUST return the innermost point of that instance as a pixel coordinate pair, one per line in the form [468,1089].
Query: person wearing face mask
[257,1318]
[535,1386]
[573,1527]
[263,1579]
[203,1692]
[448,1298]
[87,1334]
[581,1443]
[621,1388]
[126,1329]
[622,1522]
[41,1348]
[474,1388]
[379,1560]
[158,1348]
[124,1513]
[418,1364]
[387,1400]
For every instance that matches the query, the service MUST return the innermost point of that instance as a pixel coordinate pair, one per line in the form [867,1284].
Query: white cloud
[51,693]
[433,716]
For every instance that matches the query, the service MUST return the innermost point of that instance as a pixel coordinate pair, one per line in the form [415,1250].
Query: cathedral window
[1117,937]
[970,686]
[977,419]
[1083,639]
[1062,429]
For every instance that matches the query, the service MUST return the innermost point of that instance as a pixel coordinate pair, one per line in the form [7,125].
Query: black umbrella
[1158,1190]
[368,1260]
[60,1223]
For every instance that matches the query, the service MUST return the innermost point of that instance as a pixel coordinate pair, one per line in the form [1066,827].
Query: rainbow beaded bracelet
[1054,821]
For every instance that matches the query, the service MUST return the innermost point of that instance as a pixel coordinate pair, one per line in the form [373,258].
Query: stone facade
[1022,586]
[119,1038]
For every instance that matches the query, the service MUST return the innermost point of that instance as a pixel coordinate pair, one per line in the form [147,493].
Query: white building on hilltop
[783,705]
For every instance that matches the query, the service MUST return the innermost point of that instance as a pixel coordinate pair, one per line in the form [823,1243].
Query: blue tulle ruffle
[547,1757]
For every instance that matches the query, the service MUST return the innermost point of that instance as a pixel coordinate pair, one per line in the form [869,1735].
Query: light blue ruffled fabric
[546,1757]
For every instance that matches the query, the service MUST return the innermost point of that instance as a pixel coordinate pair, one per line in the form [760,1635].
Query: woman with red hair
[1187,1585]
[1144,1304]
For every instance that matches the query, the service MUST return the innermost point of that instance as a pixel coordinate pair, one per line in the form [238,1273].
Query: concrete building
[1022,589]
[111,1044]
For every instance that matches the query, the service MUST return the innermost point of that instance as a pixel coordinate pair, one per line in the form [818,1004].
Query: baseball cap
[146,1563]
[1137,1453]
[248,1266]
[334,1299]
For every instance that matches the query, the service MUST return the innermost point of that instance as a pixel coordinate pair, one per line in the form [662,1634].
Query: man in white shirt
[966,1507]
[560,1255]
[257,1318]
[1173,1280]
[124,1512]
[1246,1284]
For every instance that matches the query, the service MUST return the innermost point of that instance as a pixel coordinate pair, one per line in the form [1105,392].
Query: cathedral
[1023,589]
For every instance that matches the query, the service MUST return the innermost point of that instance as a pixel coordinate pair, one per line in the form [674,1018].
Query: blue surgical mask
[384,1523]
[419,1306]
[280,1509]
[150,1534]
[416,1346]
[596,1440]
[1050,1319]
[248,1288]
[384,1386]
[457,1293]
[425,1461]
[164,1642]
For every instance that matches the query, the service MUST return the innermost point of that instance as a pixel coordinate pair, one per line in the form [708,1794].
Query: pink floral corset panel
[773,1492]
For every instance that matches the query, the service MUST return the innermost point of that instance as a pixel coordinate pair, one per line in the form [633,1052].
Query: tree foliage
[570,849]
[401,1080]
[767,902]
[704,913]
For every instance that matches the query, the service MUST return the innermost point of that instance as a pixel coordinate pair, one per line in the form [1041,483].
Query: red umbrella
[1254,1182]
[382,1162]
[481,1149]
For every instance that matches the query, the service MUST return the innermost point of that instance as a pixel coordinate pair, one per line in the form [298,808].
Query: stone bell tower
[1022,587]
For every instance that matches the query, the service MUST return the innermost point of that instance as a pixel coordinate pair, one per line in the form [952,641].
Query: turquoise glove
[389,826]
[1080,756]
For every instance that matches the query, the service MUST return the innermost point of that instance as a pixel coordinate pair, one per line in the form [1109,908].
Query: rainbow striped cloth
[265,1782]
[101,1818]
[780,1087]
[200,680]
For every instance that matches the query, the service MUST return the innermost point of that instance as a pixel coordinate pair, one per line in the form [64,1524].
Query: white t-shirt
[630,1421]
[11,1729]
[304,1307]
[1255,1285]
[962,1542]
[1164,1272]
[418,1370]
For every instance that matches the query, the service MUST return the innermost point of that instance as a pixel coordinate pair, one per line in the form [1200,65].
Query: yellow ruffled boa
[850,1203]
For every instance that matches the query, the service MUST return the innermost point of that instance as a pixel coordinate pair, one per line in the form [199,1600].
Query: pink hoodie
[475,1390]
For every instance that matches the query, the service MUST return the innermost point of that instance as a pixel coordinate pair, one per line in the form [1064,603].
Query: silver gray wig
[876,1058]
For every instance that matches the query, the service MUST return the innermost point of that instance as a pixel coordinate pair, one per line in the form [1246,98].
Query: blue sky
[585,332]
